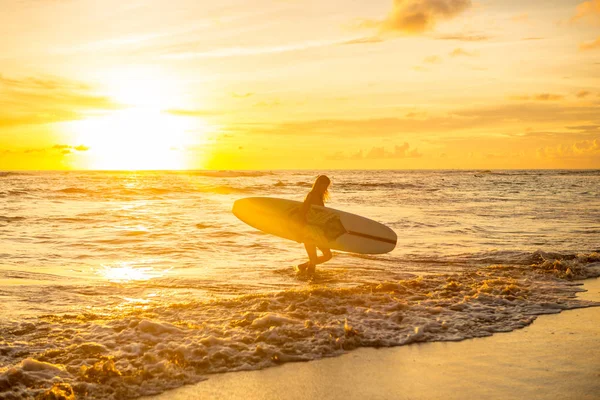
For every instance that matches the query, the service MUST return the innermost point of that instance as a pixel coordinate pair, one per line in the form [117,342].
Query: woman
[318,195]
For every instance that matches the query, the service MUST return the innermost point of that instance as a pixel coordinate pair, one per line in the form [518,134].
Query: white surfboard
[326,227]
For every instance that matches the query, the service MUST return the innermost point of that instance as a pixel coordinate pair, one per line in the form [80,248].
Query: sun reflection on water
[125,272]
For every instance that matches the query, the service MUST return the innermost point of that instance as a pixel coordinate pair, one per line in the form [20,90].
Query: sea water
[122,284]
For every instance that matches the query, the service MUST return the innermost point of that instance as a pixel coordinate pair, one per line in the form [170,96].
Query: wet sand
[557,357]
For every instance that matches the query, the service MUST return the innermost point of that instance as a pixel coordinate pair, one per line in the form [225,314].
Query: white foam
[140,348]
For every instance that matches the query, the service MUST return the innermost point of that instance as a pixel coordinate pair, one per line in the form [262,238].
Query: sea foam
[148,347]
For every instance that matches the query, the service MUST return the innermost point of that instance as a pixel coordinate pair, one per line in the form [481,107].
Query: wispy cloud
[364,40]
[524,17]
[539,97]
[32,100]
[250,51]
[111,44]
[591,45]
[67,147]
[532,112]
[587,11]
[584,148]
[460,120]
[418,16]
[432,60]
[193,113]
[582,94]
[458,52]
[57,149]
[241,95]
[379,153]
[463,37]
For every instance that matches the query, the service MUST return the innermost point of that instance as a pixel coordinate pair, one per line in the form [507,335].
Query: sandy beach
[557,357]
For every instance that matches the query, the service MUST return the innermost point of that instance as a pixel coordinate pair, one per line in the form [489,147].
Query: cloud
[66,149]
[226,52]
[432,60]
[504,155]
[268,103]
[506,116]
[591,45]
[131,41]
[32,83]
[588,11]
[380,153]
[530,112]
[61,149]
[193,113]
[458,52]
[364,40]
[31,101]
[241,95]
[463,37]
[548,97]
[539,97]
[585,128]
[30,151]
[582,93]
[521,18]
[584,148]
[417,16]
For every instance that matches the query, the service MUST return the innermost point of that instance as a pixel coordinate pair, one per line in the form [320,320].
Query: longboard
[325,227]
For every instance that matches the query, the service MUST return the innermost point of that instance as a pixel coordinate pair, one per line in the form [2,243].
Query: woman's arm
[305,207]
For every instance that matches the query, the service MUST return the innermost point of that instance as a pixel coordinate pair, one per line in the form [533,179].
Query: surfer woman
[318,195]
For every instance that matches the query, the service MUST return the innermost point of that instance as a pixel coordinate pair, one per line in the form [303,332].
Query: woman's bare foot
[302,267]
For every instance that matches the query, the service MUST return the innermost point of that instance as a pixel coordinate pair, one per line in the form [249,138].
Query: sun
[134,139]
[141,134]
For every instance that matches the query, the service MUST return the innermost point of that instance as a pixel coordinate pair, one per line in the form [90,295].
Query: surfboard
[326,227]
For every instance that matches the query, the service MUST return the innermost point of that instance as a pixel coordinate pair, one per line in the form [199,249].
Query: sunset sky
[87,84]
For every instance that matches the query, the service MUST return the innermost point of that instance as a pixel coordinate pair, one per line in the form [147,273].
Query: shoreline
[556,357]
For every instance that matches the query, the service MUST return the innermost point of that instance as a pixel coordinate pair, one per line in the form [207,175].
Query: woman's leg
[311,250]
[325,257]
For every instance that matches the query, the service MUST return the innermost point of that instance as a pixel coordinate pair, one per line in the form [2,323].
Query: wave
[6,174]
[225,189]
[155,191]
[15,192]
[376,185]
[230,174]
[303,184]
[143,347]
[535,172]
[4,218]
[75,190]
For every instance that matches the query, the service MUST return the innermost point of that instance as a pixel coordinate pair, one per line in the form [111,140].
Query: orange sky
[299,84]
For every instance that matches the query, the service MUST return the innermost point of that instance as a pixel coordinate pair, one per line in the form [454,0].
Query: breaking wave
[4,218]
[230,174]
[150,345]
[153,191]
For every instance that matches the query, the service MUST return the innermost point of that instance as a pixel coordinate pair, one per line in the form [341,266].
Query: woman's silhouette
[318,195]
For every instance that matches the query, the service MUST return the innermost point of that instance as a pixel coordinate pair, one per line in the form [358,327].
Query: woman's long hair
[322,181]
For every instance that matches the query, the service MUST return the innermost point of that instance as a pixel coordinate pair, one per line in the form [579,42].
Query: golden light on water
[125,272]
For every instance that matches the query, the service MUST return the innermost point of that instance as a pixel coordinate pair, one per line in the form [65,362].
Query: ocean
[116,285]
